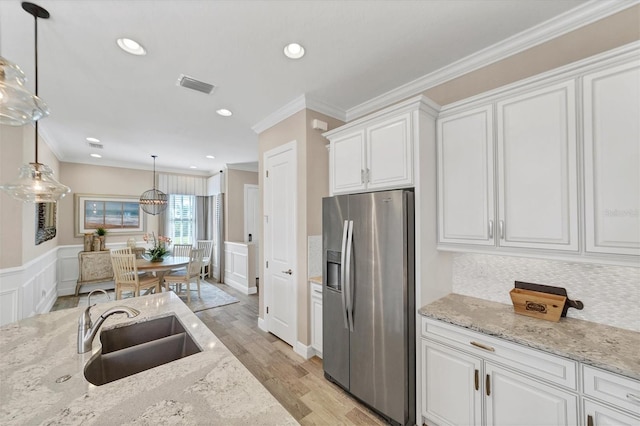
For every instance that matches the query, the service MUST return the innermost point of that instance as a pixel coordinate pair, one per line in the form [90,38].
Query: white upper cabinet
[537,172]
[347,173]
[535,166]
[612,159]
[465,177]
[377,151]
[390,153]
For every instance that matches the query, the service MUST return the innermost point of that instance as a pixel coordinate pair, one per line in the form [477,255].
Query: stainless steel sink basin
[138,347]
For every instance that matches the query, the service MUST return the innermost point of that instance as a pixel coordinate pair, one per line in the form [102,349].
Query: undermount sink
[134,348]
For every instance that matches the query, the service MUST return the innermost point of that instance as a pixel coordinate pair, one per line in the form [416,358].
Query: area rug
[212,297]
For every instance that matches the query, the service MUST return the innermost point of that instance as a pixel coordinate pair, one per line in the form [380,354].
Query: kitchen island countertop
[610,348]
[210,387]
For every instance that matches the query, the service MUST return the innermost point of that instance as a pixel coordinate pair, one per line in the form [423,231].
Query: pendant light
[153,201]
[36,183]
[18,106]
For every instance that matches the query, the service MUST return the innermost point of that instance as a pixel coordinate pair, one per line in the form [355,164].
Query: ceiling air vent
[192,83]
[96,145]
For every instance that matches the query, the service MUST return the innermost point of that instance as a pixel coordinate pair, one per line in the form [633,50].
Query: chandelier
[35,183]
[153,201]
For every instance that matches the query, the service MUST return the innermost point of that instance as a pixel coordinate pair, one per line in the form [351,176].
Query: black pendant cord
[35,18]
[37,12]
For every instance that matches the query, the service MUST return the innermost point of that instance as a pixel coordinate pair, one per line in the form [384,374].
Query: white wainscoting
[29,289]
[239,266]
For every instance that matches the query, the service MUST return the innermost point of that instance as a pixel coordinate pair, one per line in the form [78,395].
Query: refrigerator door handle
[343,256]
[348,280]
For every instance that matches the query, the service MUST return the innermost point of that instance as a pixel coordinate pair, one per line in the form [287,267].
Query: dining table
[160,268]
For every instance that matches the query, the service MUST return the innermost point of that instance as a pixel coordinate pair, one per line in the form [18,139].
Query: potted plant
[101,232]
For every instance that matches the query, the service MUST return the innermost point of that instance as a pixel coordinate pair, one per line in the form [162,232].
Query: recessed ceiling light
[294,51]
[131,46]
[192,167]
[224,112]
[94,140]
[96,155]
[211,157]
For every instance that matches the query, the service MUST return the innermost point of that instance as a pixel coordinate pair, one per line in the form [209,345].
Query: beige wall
[235,181]
[89,179]
[17,219]
[614,31]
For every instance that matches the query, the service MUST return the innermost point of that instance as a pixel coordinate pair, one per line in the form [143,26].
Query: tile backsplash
[314,255]
[611,294]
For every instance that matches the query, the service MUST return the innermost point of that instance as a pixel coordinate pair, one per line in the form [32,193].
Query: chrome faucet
[98,290]
[87,331]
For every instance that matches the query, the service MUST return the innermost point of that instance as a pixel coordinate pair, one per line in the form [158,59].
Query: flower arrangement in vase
[159,247]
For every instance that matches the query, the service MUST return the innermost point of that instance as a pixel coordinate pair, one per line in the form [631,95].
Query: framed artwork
[118,214]
[45,222]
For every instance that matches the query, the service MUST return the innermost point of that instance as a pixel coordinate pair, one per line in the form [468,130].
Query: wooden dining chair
[207,246]
[181,250]
[186,276]
[125,273]
[124,250]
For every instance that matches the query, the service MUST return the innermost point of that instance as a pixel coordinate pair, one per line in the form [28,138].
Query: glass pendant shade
[36,184]
[18,106]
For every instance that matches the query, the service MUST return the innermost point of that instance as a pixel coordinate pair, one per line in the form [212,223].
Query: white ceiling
[356,50]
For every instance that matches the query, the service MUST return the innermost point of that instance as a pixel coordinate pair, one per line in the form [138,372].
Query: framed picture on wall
[118,214]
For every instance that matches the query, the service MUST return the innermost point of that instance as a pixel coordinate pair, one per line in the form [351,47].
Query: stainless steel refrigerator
[368,299]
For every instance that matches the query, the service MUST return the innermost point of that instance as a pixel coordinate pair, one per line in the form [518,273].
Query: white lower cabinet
[597,414]
[517,399]
[450,386]
[316,318]
[472,379]
[469,378]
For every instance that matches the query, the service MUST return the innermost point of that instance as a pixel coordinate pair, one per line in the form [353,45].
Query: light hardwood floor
[298,384]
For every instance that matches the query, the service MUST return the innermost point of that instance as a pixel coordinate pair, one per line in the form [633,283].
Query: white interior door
[280,241]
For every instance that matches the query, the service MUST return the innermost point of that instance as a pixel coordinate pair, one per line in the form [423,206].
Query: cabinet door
[390,153]
[451,388]
[514,399]
[316,319]
[537,176]
[348,163]
[465,178]
[612,160]
[596,414]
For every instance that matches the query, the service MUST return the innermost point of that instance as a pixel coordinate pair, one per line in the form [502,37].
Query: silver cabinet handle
[633,398]
[288,271]
[491,228]
[368,173]
[317,291]
[361,175]
[501,225]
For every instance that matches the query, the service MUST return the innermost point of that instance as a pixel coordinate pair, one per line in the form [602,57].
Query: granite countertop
[317,280]
[610,348]
[210,387]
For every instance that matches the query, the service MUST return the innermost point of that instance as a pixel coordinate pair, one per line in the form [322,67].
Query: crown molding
[245,167]
[571,20]
[298,104]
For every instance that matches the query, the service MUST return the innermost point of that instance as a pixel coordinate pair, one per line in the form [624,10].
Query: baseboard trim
[240,287]
[262,325]
[303,350]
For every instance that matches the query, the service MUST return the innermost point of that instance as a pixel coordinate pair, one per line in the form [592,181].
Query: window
[181,217]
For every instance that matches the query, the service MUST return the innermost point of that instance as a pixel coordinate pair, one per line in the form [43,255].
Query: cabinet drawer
[540,365]
[621,391]
[316,291]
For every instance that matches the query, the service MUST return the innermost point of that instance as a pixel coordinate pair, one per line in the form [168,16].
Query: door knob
[288,272]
